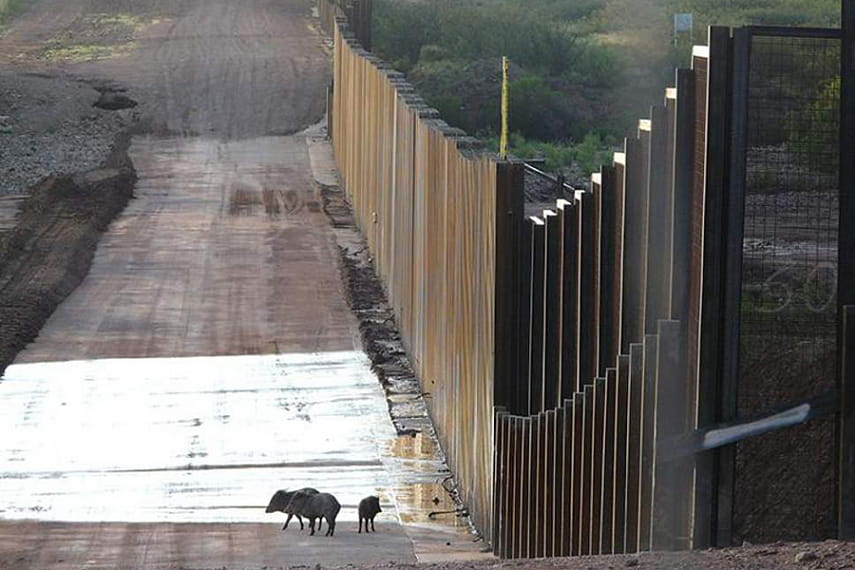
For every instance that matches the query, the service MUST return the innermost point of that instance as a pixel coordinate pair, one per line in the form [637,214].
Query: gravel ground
[54,129]
[828,555]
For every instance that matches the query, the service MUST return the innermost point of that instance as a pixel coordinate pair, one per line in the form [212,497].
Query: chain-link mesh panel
[785,480]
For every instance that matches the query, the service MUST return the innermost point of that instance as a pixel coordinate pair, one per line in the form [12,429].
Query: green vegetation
[88,43]
[588,155]
[561,73]
[9,7]
[825,13]
[582,71]
[86,52]
[538,35]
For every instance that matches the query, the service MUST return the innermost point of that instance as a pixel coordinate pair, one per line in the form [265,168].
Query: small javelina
[315,506]
[368,509]
[282,502]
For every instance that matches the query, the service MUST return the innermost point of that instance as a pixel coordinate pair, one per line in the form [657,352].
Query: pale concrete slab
[206,439]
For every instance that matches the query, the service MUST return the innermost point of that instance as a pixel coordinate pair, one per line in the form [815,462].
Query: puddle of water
[419,470]
[206,440]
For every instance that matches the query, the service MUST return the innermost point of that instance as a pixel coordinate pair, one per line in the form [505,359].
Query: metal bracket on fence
[727,434]
[462,512]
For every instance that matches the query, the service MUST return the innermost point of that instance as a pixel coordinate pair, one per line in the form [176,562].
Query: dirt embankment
[377,327]
[49,251]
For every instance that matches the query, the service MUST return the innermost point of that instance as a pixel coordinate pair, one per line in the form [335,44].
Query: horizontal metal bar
[783,31]
[546,176]
[733,432]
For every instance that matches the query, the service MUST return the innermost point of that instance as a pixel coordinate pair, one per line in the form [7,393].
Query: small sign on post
[683,24]
[503,141]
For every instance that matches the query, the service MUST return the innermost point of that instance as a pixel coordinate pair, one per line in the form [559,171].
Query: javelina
[313,506]
[281,501]
[368,509]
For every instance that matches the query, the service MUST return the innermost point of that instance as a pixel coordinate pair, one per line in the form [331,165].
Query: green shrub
[540,40]
[400,30]
[430,53]
[451,51]
[813,133]
[451,109]
[9,7]
[593,152]
[588,155]
[537,111]
[556,155]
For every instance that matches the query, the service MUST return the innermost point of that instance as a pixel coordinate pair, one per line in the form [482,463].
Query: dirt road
[225,250]
[220,282]
[213,67]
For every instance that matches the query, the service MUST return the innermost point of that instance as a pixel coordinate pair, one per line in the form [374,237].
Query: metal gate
[786,138]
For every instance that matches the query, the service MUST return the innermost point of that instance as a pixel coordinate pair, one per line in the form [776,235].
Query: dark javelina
[281,501]
[368,509]
[317,506]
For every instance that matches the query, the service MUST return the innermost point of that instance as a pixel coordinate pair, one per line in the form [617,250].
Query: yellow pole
[503,141]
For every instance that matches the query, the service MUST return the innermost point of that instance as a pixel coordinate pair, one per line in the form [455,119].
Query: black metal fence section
[846,278]
[788,305]
[603,360]
[619,430]
[647,329]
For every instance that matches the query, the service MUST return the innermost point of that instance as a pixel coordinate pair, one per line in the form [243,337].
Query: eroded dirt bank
[49,251]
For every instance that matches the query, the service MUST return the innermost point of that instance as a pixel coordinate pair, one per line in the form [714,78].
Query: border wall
[435,210]
[585,368]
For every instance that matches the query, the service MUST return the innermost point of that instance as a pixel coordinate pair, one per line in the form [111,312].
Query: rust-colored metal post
[620,452]
[585,473]
[607,436]
[552,384]
[549,487]
[846,494]
[598,426]
[568,220]
[635,428]
[577,525]
[645,509]
[672,480]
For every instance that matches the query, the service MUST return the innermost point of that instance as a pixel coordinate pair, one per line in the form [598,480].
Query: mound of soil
[50,249]
[52,129]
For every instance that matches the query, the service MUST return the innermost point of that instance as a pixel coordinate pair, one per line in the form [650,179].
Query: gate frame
[846,280]
[713,517]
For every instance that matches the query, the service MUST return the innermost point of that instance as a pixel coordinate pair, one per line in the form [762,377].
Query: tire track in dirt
[218,68]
